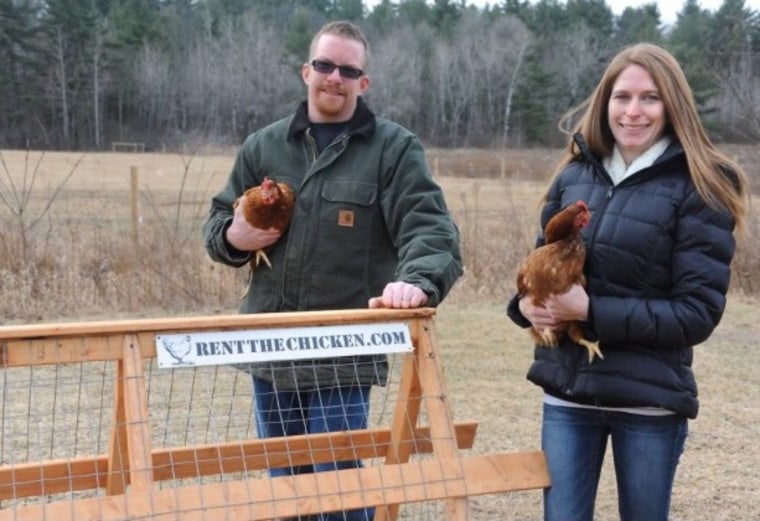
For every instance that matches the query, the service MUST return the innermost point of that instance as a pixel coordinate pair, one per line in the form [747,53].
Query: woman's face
[635,112]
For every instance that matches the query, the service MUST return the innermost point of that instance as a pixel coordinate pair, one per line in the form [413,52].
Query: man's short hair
[343,29]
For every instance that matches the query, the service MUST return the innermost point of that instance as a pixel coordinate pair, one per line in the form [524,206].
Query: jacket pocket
[351,192]
[348,227]
[347,210]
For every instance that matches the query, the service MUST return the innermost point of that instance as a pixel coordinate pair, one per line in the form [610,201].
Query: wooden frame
[130,471]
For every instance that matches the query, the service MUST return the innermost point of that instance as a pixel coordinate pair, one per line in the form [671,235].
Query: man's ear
[364,84]
[305,71]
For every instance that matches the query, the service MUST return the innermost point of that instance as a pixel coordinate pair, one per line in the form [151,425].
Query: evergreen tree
[639,24]
[383,17]
[445,16]
[347,10]
[532,109]
[595,14]
[21,63]
[685,41]
[78,73]
[414,12]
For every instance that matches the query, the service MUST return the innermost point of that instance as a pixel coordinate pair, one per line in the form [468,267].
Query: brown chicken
[553,268]
[269,205]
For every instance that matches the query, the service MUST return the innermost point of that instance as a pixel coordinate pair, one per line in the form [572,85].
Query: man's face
[331,96]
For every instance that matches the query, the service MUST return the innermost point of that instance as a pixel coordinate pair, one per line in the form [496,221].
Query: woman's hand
[572,305]
[538,316]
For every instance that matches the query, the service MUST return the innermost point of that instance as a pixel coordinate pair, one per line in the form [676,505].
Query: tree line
[81,74]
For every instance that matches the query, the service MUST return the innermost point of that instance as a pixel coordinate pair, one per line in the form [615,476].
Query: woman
[664,205]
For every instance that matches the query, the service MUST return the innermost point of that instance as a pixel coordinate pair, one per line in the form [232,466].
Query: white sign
[266,345]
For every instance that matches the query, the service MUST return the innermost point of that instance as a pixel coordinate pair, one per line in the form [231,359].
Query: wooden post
[430,373]
[134,194]
[404,420]
[118,459]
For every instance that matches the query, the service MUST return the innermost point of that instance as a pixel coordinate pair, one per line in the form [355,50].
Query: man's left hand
[399,295]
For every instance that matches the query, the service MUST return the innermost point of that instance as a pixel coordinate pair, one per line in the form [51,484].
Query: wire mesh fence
[92,426]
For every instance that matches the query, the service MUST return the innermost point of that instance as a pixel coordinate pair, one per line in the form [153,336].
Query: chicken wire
[64,412]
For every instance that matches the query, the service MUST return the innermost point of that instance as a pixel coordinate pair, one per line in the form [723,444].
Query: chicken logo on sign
[178,349]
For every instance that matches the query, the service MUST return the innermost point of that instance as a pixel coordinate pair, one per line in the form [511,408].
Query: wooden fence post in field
[133,198]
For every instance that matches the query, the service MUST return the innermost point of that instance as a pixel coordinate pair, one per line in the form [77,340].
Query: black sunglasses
[346,71]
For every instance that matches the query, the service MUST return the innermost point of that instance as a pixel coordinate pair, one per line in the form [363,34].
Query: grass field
[487,358]
[72,249]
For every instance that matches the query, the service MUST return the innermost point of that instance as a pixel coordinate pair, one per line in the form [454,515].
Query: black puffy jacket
[657,268]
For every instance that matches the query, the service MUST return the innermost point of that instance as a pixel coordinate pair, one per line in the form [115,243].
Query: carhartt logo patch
[346,218]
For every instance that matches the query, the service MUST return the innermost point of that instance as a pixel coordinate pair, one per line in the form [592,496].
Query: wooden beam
[210,323]
[438,406]
[291,451]
[405,417]
[264,498]
[71,342]
[118,452]
[136,415]
[69,475]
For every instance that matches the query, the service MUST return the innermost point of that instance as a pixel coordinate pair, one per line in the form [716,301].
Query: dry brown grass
[80,262]
[487,358]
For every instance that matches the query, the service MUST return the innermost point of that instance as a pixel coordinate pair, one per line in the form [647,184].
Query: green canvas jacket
[367,212]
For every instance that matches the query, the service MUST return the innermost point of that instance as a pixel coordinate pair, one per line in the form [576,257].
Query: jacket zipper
[311,146]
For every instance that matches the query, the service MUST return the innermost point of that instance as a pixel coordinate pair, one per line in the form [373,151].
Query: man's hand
[245,237]
[399,295]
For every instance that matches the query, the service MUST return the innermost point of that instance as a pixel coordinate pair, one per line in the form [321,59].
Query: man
[370,228]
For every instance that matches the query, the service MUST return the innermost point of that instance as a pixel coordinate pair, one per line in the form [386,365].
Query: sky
[668,8]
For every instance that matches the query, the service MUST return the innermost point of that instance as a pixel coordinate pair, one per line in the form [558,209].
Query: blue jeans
[289,413]
[645,451]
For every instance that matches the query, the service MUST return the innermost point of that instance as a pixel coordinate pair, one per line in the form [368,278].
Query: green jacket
[367,212]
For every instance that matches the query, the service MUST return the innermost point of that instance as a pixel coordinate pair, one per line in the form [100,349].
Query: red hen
[269,205]
[553,268]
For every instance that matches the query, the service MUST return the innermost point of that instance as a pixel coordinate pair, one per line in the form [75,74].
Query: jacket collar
[618,170]
[673,149]
[361,123]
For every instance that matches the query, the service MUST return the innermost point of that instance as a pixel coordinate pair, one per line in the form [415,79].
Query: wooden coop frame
[132,467]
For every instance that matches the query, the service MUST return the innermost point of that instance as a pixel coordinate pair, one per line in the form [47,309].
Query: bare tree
[479,71]
[575,60]
[61,80]
[99,36]
[397,70]
[503,48]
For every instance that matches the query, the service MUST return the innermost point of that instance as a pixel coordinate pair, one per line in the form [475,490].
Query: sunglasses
[345,71]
